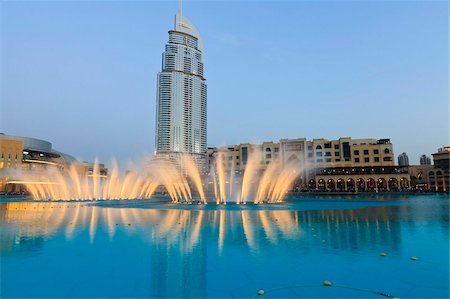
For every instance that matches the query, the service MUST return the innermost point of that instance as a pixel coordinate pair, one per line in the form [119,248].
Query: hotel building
[181,94]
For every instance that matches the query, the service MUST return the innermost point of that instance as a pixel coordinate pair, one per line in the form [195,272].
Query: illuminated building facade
[344,164]
[19,153]
[181,95]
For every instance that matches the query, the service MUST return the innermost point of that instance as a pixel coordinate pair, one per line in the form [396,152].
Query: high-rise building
[181,94]
[403,159]
[425,160]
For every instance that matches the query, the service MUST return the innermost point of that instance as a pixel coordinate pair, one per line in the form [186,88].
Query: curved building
[181,94]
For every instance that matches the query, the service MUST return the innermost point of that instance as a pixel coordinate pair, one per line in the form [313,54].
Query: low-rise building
[419,174]
[317,159]
[22,154]
[439,175]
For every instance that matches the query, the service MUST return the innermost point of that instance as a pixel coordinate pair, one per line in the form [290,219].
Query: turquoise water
[143,249]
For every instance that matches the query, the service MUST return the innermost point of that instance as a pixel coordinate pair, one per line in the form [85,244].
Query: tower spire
[180,10]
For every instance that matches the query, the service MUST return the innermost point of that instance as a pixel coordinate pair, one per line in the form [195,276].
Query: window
[328,160]
[338,160]
[328,154]
[276,149]
[309,147]
[346,150]
[376,159]
[366,152]
[319,154]
[386,151]
[319,160]
[268,156]
[356,153]
[318,147]
[310,155]
[366,160]
[336,146]
[336,154]
[356,160]
[268,149]
[327,145]
[244,155]
[375,152]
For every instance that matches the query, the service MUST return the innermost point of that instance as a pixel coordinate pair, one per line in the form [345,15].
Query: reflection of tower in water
[179,257]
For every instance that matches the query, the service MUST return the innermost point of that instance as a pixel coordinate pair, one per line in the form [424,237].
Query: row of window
[356,152]
[356,160]
[366,152]
[337,154]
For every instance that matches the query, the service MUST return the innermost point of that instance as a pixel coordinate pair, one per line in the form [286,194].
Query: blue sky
[82,74]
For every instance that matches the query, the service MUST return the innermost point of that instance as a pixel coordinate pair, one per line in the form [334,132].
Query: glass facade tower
[181,93]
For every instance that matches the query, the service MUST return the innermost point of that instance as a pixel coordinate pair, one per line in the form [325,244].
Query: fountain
[180,179]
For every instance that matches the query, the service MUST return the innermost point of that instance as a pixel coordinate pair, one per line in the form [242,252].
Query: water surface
[147,249]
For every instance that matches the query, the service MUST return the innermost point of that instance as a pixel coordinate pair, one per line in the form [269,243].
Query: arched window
[268,149]
[318,147]
[386,151]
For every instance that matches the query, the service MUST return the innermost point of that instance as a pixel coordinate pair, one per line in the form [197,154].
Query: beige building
[10,153]
[439,176]
[343,152]
[10,158]
[420,179]
[326,165]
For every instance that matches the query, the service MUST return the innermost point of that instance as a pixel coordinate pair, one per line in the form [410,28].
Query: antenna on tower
[180,10]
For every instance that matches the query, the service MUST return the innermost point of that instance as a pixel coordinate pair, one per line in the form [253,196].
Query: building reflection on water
[180,240]
[188,228]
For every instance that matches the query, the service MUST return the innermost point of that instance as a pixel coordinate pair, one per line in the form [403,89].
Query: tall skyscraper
[403,159]
[425,160]
[181,95]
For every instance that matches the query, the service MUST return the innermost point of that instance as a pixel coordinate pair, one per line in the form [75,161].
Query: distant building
[439,176]
[344,164]
[403,159]
[425,160]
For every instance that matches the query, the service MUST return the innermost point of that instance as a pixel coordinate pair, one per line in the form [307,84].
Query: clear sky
[82,74]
